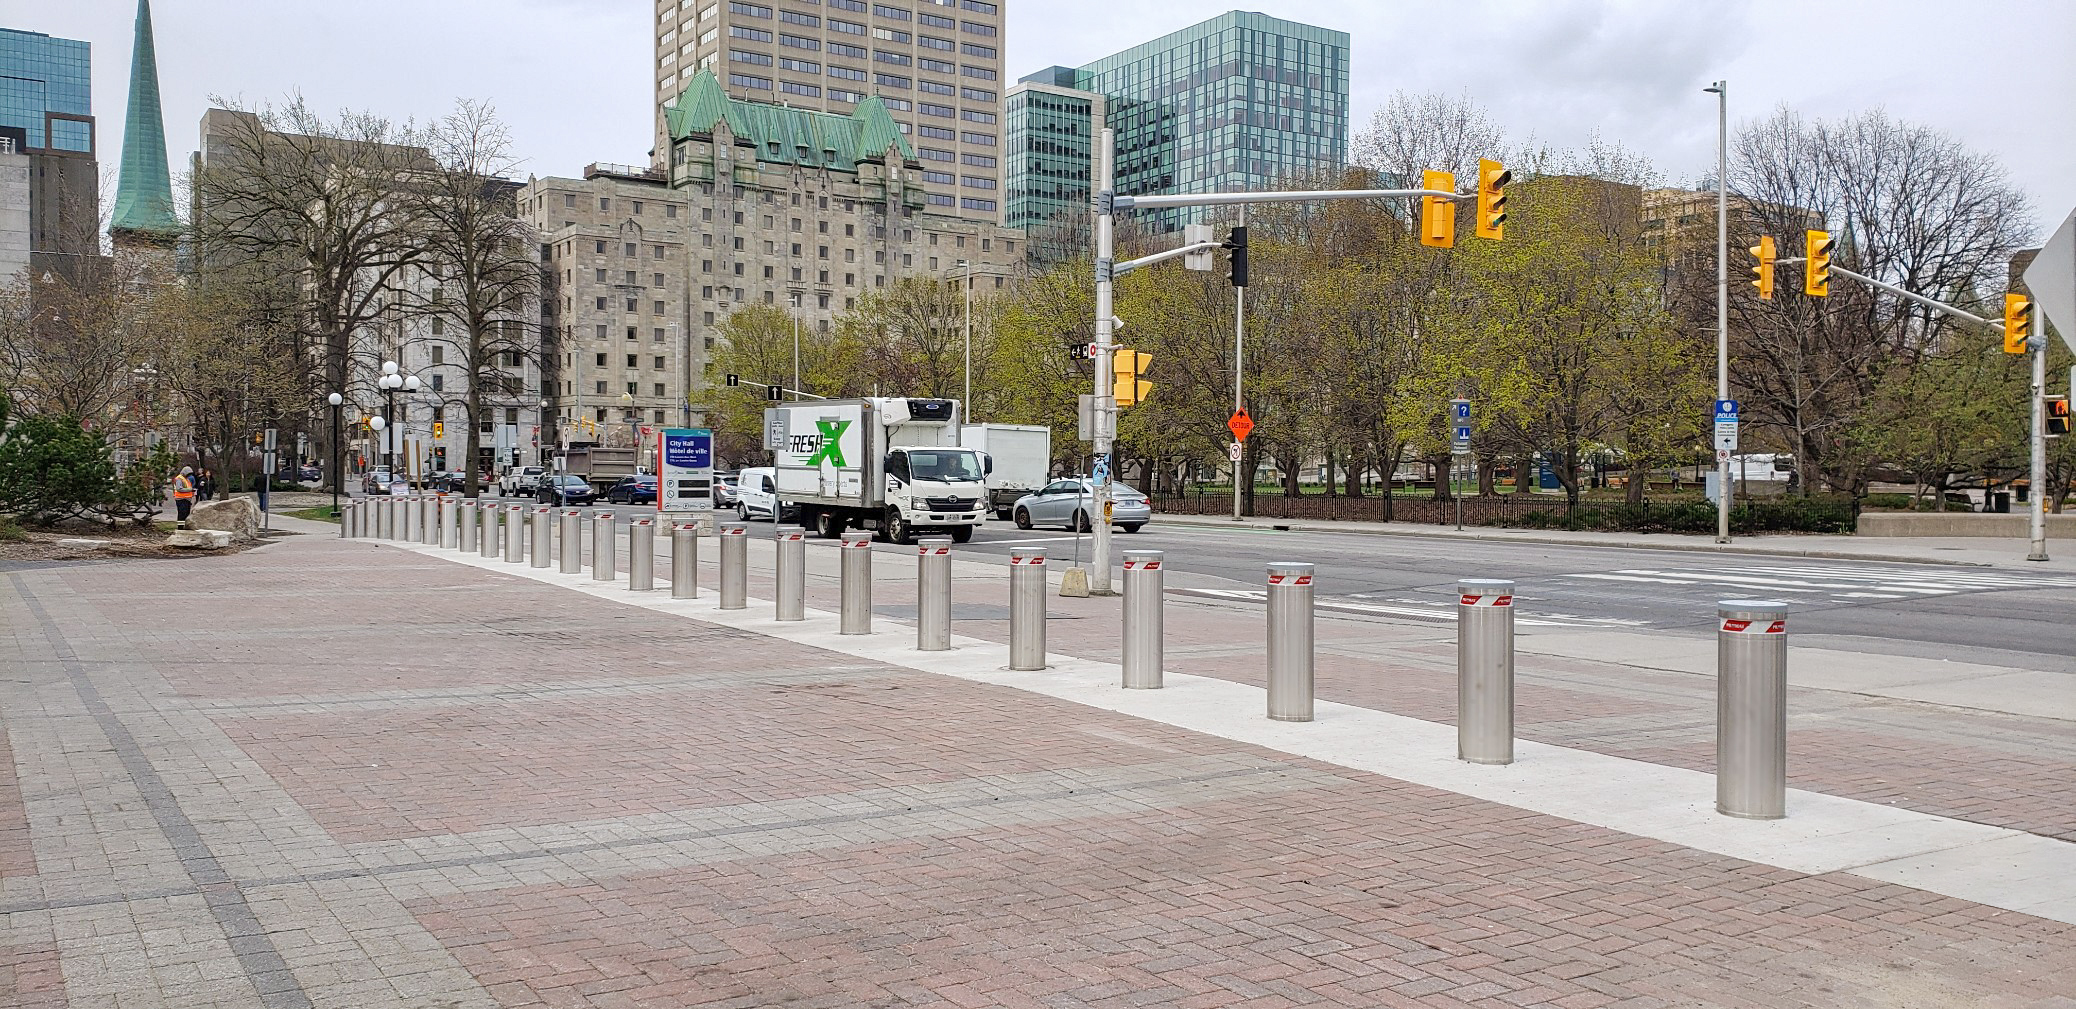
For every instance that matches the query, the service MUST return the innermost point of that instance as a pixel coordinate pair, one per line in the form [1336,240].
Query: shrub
[1834,514]
[52,468]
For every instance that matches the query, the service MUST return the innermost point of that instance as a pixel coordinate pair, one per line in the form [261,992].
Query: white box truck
[1021,458]
[884,463]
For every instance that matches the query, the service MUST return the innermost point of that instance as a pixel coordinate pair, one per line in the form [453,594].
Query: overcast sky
[571,76]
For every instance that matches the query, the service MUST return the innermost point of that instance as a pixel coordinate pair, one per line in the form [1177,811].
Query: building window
[891,81]
[846,27]
[976,116]
[750,10]
[897,105]
[935,21]
[740,56]
[981,72]
[884,11]
[439,355]
[937,66]
[795,18]
[632,250]
[933,87]
[942,111]
[811,45]
[600,248]
[978,160]
[936,132]
[978,139]
[569,199]
[631,359]
[600,362]
[970,94]
[753,34]
[939,178]
[803,90]
[605,204]
[969,203]
[927,42]
[601,304]
[976,49]
[659,280]
[890,35]
[846,73]
[601,391]
[747,81]
[657,306]
[976,182]
[670,210]
[938,200]
[845,49]
[599,333]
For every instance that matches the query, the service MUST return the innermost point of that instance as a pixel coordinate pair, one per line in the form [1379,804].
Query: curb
[1301,525]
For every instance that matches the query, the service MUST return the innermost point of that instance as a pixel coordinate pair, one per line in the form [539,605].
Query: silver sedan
[1069,502]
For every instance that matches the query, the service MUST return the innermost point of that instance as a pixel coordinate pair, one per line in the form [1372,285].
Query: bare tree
[1910,206]
[1412,133]
[484,262]
[317,213]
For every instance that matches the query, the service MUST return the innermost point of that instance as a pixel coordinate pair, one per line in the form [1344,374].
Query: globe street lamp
[389,383]
[338,473]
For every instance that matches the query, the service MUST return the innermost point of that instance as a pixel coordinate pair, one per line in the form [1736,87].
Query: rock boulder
[199,539]
[238,516]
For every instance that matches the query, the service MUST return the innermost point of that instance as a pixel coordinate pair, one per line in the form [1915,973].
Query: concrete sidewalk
[1929,550]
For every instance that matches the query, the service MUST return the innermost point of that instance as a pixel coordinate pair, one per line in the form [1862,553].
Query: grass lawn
[321,513]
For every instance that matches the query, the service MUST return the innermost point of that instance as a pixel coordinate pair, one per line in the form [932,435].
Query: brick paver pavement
[327,773]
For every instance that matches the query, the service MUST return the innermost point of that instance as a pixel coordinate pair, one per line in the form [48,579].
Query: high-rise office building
[1049,130]
[1242,101]
[936,64]
[46,112]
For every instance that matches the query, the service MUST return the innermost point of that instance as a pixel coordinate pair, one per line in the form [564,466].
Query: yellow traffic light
[1816,263]
[1764,253]
[1492,199]
[439,429]
[2018,323]
[1125,384]
[1438,215]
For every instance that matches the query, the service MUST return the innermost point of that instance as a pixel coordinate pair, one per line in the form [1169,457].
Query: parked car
[724,490]
[520,481]
[377,481]
[637,489]
[564,489]
[310,474]
[756,496]
[1068,502]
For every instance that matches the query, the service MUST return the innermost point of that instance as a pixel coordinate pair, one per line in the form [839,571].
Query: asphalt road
[1996,616]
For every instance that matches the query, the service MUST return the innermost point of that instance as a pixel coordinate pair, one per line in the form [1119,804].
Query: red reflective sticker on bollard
[1755,627]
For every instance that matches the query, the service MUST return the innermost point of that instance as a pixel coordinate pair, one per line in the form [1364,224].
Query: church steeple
[144,190]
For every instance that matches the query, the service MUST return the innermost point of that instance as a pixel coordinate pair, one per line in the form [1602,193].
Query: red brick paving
[31,978]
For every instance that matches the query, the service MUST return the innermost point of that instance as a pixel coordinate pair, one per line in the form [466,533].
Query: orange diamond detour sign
[1240,425]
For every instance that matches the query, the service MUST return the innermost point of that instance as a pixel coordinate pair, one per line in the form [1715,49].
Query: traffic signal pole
[2036,500]
[1239,370]
[1722,90]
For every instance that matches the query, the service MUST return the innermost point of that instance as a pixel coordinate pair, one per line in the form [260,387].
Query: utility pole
[966,405]
[1239,369]
[1722,93]
[1105,407]
[2036,496]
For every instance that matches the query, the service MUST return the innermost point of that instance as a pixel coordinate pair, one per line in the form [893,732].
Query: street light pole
[796,344]
[1722,93]
[1105,407]
[967,403]
[338,474]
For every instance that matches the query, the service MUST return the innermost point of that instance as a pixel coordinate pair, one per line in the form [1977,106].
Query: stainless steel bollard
[735,565]
[855,611]
[346,522]
[450,513]
[1290,642]
[1144,619]
[407,519]
[933,594]
[572,541]
[603,569]
[1026,608]
[486,538]
[1485,670]
[429,520]
[385,519]
[515,533]
[465,523]
[1752,709]
[641,554]
[354,511]
[684,560]
[543,535]
[792,573]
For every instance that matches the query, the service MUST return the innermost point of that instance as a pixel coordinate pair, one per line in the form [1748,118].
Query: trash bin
[2000,502]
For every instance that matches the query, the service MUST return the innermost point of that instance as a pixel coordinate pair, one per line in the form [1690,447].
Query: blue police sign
[1726,409]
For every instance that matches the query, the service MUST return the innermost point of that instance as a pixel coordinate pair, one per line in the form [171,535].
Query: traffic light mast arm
[1938,306]
[1230,199]
[1120,269]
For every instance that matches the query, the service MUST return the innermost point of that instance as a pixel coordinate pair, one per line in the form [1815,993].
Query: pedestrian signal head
[2018,323]
[1764,253]
[1492,199]
[1438,214]
[1816,263]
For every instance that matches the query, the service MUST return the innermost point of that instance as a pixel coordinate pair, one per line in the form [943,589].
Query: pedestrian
[184,494]
[206,484]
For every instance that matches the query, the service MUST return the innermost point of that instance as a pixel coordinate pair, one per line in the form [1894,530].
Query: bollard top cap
[1752,609]
[934,540]
[1027,552]
[1484,586]
[1289,568]
[857,536]
[1145,555]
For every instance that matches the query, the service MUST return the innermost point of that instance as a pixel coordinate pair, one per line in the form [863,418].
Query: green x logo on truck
[831,450]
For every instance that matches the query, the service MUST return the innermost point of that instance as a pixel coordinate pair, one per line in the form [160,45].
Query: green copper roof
[144,192]
[802,136]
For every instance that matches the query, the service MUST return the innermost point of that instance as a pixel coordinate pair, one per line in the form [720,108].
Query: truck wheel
[961,534]
[828,525]
[1001,514]
[1023,519]
[897,529]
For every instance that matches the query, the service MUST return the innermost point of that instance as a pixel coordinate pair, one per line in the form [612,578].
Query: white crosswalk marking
[1835,581]
[1420,609]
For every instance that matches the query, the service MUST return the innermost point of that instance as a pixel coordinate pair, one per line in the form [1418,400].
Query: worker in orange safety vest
[184,493]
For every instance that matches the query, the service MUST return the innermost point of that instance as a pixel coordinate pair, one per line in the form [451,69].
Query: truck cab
[934,488]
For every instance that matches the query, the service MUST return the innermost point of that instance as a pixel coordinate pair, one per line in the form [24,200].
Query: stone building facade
[761,204]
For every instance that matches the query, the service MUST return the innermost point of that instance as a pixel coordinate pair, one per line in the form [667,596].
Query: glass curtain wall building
[1242,101]
[45,90]
[1049,136]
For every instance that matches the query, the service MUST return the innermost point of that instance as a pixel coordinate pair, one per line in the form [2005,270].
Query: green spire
[144,192]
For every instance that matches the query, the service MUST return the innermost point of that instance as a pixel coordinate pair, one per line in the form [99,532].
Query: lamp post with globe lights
[389,383]
[338,473]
